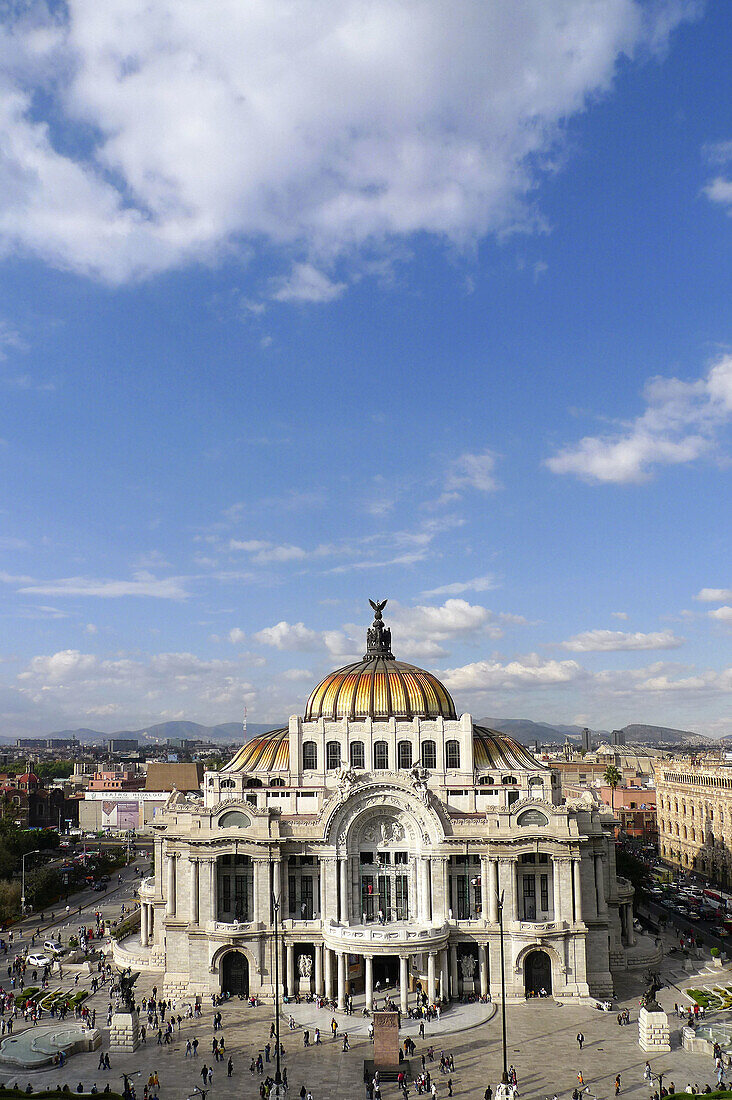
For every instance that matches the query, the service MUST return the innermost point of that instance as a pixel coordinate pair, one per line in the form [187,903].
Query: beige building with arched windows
[694,807]
[384,827]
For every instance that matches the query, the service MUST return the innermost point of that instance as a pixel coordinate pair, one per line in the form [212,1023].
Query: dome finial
[378,636]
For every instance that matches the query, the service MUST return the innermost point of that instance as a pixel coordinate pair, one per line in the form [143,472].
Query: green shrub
[715,952]
[26,994]
[129,924]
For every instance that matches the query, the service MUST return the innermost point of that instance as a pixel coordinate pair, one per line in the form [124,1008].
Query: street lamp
[504,1086]
[22,888]
[659,1077]
[278,1092]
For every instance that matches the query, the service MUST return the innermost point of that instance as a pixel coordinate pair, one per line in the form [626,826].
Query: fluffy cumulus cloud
[714,595]
[136,137]
[529,672]
[722,614]
[605,641]
[75,685]
[681,423]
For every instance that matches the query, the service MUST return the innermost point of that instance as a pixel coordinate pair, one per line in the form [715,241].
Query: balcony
[392,938]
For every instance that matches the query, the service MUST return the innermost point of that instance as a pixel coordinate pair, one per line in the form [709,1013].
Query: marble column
[556,889]
[290,950]
[144,932]
[424,890]
[256,889]
[484,888]
[577,879]
[328,972]
[493,891]
[213,910]
[194,869]
[483,967]
[319,969]
[403,983]
[171,899]
[444,994]
[330,870]
[341,980]
[600,887]
[369,981]
[454,991]
[343,907]
[431,977]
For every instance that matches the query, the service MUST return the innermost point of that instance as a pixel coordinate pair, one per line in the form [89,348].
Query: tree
[9,900]
[613,778]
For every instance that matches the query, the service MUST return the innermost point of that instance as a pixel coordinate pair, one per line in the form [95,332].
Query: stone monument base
[306,985]
[654,1035]
[124,1034]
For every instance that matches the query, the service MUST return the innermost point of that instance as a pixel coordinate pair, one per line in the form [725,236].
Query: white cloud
[91,628]
[619,614]
[10,340]
[456,588]
[714,595]
[719,189]
[265,552]
[607,641]
[142,584]
[236,635]
[284,635]
[531,671]
[70,685]
[470,471]
[679,425]
[722,614]
[453,619]
[173,131]
[306,284]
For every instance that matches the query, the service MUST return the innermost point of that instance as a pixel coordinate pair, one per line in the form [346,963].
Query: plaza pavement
[541,1044]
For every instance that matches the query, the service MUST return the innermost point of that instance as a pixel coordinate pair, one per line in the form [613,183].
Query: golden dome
[378,686]
[269,752]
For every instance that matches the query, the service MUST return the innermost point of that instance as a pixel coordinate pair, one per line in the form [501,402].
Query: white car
[39,961]
[53,948]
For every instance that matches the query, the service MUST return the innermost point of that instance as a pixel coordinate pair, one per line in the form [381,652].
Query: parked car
[53,948]
[39,961]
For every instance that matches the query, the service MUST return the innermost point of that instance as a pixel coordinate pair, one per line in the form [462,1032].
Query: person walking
[580,1039]
[617,1085]
[230,1068]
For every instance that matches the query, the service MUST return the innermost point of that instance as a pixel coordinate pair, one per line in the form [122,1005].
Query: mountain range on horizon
[524,730]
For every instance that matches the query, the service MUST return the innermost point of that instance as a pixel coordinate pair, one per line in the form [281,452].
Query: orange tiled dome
[380,687]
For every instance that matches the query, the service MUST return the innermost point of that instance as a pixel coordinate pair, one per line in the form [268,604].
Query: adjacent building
[381,829]
[694,802]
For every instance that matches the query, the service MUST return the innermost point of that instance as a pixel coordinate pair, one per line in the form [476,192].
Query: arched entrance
[235,974]
[537,973]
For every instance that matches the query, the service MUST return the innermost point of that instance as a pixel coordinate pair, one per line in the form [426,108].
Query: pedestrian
[230,1068]
[204,1072]
[580,1039]
[488,1094]
[617,1085]
[449,1086]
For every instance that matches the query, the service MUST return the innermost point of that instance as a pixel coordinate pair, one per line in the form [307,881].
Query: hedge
[129,924]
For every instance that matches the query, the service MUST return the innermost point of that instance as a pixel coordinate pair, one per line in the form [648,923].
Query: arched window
[452,754]
[509,780]
[486,781]
[276,781]
[429,754]
[309,756]
[358,755]
[227,783]
[405,754]
[333,755]
[254,782]
[381,755]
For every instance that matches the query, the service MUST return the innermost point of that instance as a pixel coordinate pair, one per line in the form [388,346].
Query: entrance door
[386,973]
[235,974]
[537,973]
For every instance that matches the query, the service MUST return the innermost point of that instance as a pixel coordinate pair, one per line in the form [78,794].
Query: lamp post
[279,1091]
[659,1077]
[504,1078]
[22,888]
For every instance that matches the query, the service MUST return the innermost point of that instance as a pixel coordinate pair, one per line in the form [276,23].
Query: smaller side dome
[270,752]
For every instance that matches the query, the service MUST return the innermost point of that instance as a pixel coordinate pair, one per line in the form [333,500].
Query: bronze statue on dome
[378,636]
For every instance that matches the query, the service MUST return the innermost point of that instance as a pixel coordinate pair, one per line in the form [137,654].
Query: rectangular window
[368,898]
[402,898]
[291,895]
[366,857]
[462,899]
[529,891]
[306,898]
[544,887]
[401,857]
[226,893]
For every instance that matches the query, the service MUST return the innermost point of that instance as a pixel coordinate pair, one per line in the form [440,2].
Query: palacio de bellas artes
[386,829]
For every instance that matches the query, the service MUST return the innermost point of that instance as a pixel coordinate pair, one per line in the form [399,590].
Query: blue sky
[302,306]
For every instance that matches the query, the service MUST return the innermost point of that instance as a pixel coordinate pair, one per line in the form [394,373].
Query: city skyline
[298,312]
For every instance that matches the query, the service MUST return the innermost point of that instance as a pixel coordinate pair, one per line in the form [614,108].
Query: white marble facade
[385,841]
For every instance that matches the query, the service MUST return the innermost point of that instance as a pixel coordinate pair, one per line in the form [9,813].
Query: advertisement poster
[120,815]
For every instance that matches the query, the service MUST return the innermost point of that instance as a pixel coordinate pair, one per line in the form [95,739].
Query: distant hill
[526,731]
[661,735]
[191,731]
